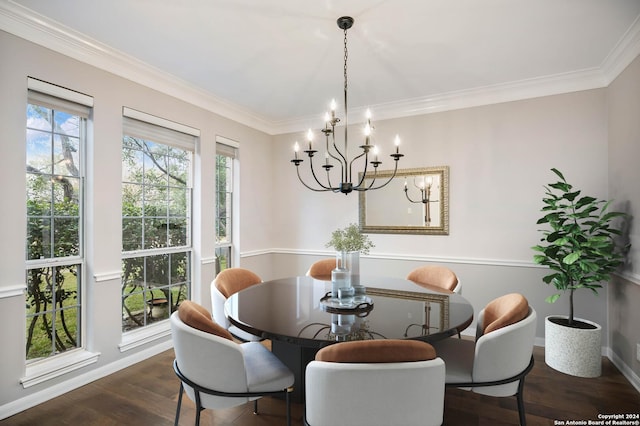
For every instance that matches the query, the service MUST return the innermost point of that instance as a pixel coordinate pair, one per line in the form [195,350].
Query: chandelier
[424,186]
[333,153]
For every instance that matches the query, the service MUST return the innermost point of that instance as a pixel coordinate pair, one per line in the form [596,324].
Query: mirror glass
[416,201]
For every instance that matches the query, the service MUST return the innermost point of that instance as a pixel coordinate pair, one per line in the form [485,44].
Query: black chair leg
[198,407]
[288,407]
[175,423]
[520,399]
[255,406]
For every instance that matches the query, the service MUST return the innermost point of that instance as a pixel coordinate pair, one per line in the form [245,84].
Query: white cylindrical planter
[573,351]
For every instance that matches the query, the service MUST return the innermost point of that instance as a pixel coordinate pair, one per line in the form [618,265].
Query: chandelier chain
[346,55]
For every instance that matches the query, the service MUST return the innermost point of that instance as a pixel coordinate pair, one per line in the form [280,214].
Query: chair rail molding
[12,291]
[107,276]
[403,257]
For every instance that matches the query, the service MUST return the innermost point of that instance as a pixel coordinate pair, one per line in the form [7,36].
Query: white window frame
[51,367]
[160,130]
[229,148]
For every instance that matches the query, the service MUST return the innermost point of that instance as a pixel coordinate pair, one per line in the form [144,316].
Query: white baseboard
[624,369]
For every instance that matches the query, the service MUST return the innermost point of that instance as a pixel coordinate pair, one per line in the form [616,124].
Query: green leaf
[558,173]
[564,187]
[571,195]
[584,201]
[552,299]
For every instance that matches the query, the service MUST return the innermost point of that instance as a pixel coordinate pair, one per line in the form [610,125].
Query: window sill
[144,335]
[56,366]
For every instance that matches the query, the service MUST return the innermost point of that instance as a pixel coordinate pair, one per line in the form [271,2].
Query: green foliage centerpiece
[580,248]
[350,239]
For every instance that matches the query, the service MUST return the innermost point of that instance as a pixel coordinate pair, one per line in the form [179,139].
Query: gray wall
[623,107]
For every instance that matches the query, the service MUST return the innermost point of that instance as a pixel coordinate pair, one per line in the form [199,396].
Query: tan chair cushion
[321,270]
[435,276]
[232,280]
[377,351]
[505,310]
[198,317]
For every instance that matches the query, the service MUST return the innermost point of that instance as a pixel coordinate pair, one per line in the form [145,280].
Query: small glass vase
[341,280]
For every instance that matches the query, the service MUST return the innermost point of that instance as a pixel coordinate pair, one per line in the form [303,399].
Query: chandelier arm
[359,187]
[414,183]
[313,173]
[309,187]
[406,192]
[334,147]
[395,170]
[351,167]
[333,188]
[342,160]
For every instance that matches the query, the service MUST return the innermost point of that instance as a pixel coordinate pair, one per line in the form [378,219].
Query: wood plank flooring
[146,394]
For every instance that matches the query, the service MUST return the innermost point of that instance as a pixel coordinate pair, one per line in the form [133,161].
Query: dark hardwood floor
[146,394]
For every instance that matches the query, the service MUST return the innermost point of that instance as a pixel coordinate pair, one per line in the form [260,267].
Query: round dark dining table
[299,316]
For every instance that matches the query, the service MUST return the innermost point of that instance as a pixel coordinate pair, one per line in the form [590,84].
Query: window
[55,144]
[225,157]
[156,219]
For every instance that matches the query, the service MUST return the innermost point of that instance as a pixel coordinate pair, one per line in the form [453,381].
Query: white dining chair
[230,281]
[497,362]
[216,372]
[375,382]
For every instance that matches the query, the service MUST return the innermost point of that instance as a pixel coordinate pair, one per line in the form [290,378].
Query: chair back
[378,390]
[503,353]
[210,361]
[321,269]
[435,276]
[226,283]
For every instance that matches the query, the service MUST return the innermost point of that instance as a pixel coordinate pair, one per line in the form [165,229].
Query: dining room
[489,149]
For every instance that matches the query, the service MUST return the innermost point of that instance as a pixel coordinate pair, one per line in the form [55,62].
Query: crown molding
[624,52]
[43,31]
[36,28]
[508,92]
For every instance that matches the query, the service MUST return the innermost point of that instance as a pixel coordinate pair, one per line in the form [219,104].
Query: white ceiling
[280,61]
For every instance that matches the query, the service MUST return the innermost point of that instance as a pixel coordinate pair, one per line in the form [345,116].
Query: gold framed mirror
[416,201]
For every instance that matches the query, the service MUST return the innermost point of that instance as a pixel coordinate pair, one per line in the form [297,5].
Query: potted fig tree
[579,246]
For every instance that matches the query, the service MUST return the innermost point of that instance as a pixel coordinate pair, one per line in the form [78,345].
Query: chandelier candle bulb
[367,134]
[397,143]
[310,138]
[296,148]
